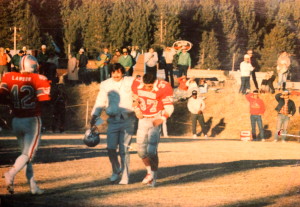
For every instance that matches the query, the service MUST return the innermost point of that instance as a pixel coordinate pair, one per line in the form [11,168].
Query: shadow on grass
[79,194]
[269,200]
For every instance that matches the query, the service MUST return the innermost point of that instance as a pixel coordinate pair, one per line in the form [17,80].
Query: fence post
[86,113]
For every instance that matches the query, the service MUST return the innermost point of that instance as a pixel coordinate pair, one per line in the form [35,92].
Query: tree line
[218,29]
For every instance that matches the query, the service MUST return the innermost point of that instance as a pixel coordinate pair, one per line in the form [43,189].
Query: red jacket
[3,59]
[257,106]
[182,83]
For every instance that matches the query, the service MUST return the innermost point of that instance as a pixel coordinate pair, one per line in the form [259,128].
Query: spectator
[267,83]
[203,86]
[168,56]
[72,70]
[283,64]
[116,57]
[103,64]
[184,62]
[53,58]
[126,61]
[43,55]
[16,60]
[151,60]
[192,85]
[25,50]
[286,109]
[196,106]
[257,109]
[181,91]
[82,62]
[246,69]
[255,65]
[7,50]
[4,60]
[58,100]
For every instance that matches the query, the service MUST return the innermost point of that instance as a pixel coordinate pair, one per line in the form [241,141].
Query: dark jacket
[291,104]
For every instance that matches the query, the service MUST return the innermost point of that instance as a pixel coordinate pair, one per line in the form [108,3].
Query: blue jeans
[254,119]
[282,80]
[245,84]
[119,134]
[182,69]
[282,123]
[104,73]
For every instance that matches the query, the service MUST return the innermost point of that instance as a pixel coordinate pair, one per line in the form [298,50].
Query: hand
[157,122]
[138,113]
[290,115]
[93,120]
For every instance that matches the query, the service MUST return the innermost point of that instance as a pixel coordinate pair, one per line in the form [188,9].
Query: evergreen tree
[227,29]
[119,23]
[142,23]
[95,35]
[168,21]
[209,51]
[71,18]
[281,38]
[26,21]
[6,27]
[250,29]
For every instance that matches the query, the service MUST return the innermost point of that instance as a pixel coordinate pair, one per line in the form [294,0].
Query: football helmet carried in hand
[91,137]
[28,63]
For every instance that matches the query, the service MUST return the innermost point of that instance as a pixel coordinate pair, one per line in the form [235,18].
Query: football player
[26,90]
[153,104]
[116,97]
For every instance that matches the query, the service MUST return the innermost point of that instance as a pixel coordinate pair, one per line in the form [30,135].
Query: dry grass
[226,113]
[192,173]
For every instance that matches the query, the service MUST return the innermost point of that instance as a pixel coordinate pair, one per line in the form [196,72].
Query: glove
[93,120]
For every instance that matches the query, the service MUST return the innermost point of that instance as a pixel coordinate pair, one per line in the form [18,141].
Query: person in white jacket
[116,97]
[196,106]
[246,69]
[151,60]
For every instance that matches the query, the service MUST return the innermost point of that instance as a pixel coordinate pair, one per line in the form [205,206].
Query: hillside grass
[226,113]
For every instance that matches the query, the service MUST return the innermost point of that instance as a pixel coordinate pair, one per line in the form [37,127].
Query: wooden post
[161,28]
[87,113]
[233,61]
[15,40]
[69,49]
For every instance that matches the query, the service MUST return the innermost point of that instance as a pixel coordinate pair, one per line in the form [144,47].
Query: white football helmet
[28,64]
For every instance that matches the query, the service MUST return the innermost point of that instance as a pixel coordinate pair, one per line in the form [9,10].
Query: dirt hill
[226,113]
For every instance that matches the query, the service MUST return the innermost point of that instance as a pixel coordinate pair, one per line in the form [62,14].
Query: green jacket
[184,58]
[125,62]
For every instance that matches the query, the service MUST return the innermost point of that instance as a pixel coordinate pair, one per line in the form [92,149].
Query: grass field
[193,172]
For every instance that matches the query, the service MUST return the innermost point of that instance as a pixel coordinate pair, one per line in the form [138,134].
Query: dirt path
[192,173]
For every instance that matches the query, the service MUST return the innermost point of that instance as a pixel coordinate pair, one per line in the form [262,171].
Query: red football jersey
[153,102]
[25,92]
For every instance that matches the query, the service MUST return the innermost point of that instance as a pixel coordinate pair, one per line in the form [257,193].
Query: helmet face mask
[29,64]
[91,137]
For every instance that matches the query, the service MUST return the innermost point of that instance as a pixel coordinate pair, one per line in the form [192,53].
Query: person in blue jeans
[104,60]
[257,109]
[286,108]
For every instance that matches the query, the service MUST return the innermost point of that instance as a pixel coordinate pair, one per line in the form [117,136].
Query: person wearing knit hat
[246,69]
[257,109]
[286,109]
